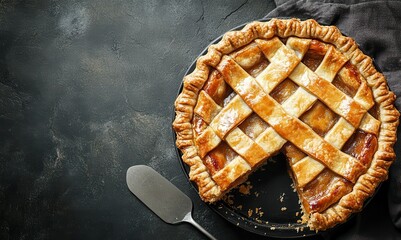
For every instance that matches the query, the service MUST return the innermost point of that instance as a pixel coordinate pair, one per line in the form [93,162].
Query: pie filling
[248,140]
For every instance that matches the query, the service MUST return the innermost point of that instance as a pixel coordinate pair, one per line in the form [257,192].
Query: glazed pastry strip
[337,136]
[342,131]
[207,109]
[270,141]
[220,120]
[301,101]
[327,70]
[233,171]
[285,125]
[230,116]
[266,144]
[336,100]
[223,121]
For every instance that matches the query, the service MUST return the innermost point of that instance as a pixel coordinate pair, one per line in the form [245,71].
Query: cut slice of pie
[294,87]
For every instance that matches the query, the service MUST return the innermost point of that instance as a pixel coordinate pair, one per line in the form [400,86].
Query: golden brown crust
[384,99]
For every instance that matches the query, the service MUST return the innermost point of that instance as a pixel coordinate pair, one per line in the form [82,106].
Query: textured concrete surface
[87,90]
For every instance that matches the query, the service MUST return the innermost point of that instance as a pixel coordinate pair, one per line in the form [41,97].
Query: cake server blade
[161,196]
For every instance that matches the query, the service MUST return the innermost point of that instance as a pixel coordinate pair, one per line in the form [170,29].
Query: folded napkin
[376,26]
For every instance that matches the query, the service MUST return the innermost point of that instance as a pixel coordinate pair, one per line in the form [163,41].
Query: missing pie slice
[294,87]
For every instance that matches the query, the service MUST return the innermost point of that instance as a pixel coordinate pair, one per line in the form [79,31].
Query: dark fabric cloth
[376,26]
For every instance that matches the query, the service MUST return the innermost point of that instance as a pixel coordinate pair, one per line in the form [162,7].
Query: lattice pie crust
[299,88]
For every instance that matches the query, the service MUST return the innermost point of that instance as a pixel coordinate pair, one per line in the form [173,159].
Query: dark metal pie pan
[272,207]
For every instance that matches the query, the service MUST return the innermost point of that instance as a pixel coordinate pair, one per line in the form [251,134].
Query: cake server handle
[188,218]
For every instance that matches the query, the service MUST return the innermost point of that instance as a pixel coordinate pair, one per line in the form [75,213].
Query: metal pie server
[161,196]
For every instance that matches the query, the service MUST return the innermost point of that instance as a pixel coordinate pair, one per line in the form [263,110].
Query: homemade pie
[294,87]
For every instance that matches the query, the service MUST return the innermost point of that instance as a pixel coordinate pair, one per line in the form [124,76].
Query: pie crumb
[283,209]
[293,187]
[230,199]
[250,212]
[282,197]
[259,211]
[245,188]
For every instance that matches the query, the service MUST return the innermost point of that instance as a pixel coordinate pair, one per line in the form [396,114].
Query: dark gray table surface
[86,91]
